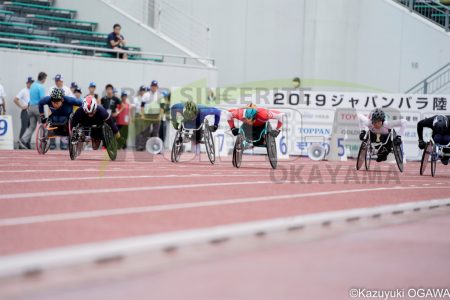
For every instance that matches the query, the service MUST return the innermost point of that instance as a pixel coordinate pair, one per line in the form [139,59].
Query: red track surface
[42,186]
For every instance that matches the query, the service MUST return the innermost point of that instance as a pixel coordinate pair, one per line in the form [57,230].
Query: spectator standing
[117,41]
[22,100]
[136,112]
[109,101]
[59,83]
[150,114]
[78,94]
[2,101]
[73,87]
[37,92]
[123,119]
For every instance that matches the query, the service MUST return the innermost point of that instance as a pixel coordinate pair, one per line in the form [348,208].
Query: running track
[50,201]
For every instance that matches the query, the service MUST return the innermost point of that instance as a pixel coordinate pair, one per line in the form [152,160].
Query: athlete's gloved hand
[213,128]
[422,144]
[235,131]
[275,132]
[362,135]
[117,135]
[398,140]
[43,119]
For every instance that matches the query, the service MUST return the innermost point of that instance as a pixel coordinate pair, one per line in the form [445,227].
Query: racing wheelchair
[48,131]
[433,152]
[369,150]
[80,135]
[185,135]
[266,139]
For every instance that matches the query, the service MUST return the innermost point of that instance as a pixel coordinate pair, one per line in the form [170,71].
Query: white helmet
[90,104]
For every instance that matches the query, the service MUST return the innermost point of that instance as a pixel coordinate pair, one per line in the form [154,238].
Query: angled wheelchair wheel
[271,145]
[362,155]
[42,139]
[368,158]
[433,161]
[110,142]
[238,150]
[177,147]
[209,143]
[75,146]
[425,158]
[398,153]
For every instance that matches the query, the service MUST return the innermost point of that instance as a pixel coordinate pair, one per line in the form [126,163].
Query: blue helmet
[250,113]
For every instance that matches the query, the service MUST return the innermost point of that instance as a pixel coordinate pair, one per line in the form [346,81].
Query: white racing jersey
[366,123]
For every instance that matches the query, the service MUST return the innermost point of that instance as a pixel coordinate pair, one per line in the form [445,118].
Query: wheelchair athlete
[441,132]
[94,117]
[61,107]
[379,130]
[192,116]
[254,120]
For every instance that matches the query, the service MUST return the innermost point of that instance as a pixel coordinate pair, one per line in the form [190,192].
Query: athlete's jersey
[66,108]
[100,117]
[365,122]
[263,115]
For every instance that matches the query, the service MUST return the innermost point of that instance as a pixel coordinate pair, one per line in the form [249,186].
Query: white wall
[16,66]
[366,42]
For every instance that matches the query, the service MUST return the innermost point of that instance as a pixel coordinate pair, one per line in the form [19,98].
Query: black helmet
[56,94]
[378,115]
[440,124]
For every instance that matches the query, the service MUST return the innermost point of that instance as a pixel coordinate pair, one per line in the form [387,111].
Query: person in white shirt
[379,130]
[2,101]
[59,83]
[137,122]
[150,115]
[22,100]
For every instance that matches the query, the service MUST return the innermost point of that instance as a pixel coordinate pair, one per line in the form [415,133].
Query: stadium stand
[39,20]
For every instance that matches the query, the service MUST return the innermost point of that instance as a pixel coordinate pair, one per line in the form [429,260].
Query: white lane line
[325,177]
[21,264]
[171,207]
[121,190]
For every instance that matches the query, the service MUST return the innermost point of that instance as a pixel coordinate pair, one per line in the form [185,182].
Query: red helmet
[90,104]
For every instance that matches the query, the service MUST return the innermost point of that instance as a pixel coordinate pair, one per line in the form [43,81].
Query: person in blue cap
[91,88]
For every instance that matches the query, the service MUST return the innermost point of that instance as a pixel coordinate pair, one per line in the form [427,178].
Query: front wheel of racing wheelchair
[42,139]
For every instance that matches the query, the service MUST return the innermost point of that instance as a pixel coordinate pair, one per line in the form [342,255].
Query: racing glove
[235,131]
[213,128]
[275,132]
[398,140]
[43,119]
[362,135]
[422,144]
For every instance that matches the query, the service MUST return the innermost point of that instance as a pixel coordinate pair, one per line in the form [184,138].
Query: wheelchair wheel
[238,150]
[271,145]
[425,158]
[362,156]
[433,161]
[368,157]
[73,146]
[42,139]
[110,142]
[209,143]
[398,153]
[177,147]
